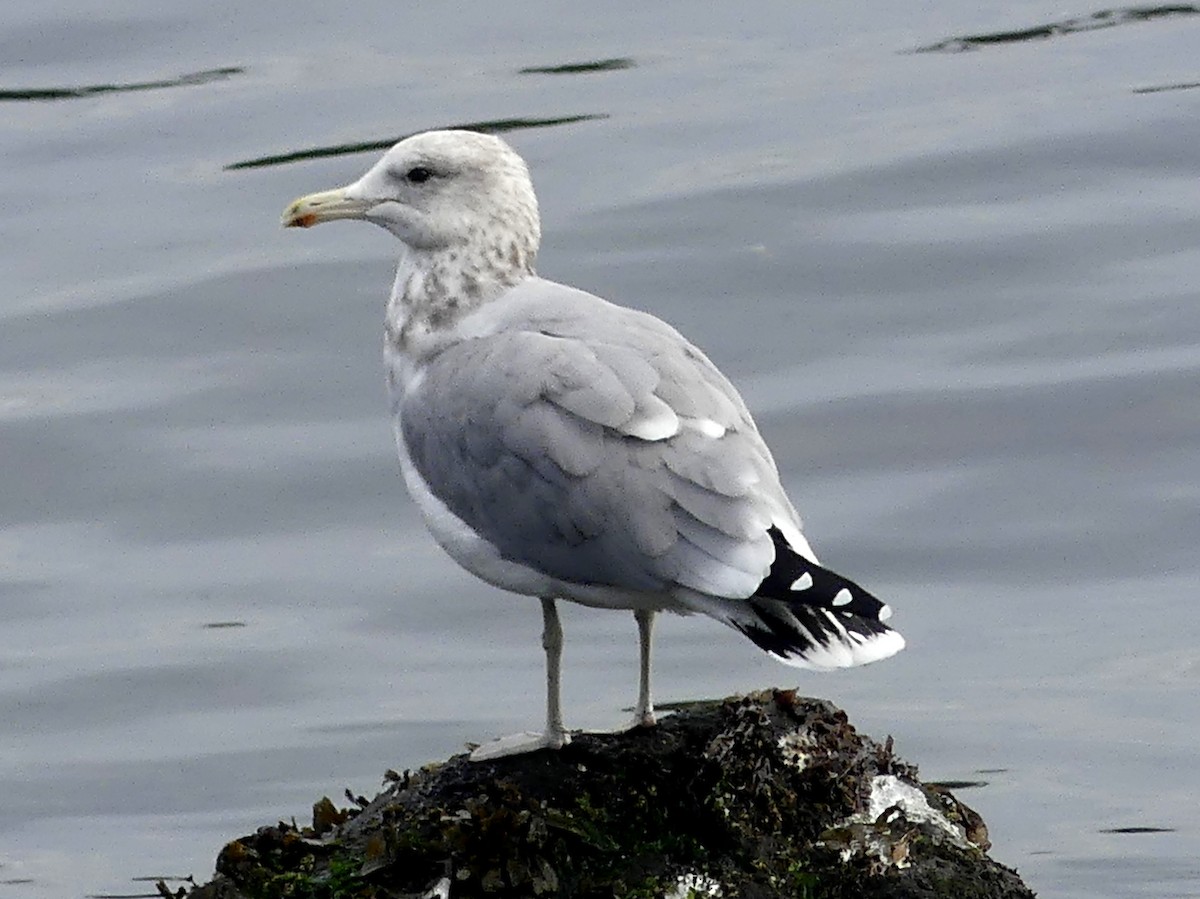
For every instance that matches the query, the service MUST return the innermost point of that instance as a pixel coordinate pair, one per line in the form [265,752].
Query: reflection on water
[1105,19]
[490,126]
[959,784]
[1158,89]
[92,90]
[1138,830]
[580,68]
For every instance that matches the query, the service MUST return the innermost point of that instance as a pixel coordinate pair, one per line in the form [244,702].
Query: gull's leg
[643,713]
[552,642]
[555,735]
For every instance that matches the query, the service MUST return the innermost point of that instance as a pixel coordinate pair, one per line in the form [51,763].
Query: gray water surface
[957,288]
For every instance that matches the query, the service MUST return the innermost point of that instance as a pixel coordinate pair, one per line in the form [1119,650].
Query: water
[958,289]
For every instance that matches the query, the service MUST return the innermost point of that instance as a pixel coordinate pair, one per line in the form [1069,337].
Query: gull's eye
[418,175]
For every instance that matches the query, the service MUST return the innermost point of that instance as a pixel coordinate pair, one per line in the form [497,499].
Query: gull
[560,446]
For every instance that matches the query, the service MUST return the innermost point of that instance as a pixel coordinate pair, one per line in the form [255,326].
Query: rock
[769,795]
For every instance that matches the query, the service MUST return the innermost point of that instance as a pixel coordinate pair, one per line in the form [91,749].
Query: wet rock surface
[768,795]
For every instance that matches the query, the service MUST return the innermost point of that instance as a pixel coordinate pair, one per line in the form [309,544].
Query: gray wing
[595,444]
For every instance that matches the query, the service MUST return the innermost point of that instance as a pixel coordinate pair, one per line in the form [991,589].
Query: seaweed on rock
[768,795]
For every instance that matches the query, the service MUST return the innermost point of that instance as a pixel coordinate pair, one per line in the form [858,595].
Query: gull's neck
[434,289]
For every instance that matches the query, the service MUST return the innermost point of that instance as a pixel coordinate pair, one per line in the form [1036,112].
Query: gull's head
[441,190]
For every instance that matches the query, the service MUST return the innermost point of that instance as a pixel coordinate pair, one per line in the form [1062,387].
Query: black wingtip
[794,579]
[810,617]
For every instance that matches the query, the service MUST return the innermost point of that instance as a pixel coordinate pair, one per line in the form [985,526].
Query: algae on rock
[769,795]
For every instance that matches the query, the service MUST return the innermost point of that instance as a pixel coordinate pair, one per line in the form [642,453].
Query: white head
[461,202]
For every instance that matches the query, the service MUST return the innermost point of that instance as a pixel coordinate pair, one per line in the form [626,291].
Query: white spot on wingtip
[803,582]
[885,612]
[843,598]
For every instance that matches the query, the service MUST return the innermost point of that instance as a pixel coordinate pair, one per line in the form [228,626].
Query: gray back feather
[544,429]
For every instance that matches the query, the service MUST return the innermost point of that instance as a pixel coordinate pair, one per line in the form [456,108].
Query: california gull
[563,447]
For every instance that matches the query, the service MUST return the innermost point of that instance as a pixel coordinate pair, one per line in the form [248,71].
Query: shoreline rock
[767,795]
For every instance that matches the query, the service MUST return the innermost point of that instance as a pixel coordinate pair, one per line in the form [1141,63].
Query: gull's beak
[324,207]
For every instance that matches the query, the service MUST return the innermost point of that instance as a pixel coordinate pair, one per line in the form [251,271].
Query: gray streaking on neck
[464,208]
[434,288]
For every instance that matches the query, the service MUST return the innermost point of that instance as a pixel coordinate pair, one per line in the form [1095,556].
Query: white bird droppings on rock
[693,885]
